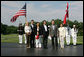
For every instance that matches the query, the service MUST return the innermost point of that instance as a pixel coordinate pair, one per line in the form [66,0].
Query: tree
[5,29]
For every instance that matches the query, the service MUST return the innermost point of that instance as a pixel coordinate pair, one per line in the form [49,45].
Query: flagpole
[26,14]
[25,19]
[68,19]
[68,14]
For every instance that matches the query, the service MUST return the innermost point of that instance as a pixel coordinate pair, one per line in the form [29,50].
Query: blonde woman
[28,31]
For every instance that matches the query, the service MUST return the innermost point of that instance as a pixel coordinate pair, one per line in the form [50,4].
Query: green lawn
[13,38]
[10,38]
[79,40]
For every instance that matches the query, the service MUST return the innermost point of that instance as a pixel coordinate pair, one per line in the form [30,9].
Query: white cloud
[45,5]
[12,4]
[77,3]
[8,9]
[46,12]
[76,11]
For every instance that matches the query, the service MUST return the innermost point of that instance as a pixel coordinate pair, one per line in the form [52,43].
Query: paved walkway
[14,49]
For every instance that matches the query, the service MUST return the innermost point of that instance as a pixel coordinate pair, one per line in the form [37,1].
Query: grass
[79,40]
[13,38]
[10,38]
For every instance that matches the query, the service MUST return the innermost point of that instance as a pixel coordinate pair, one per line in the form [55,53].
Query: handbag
[37,37]
[49,37]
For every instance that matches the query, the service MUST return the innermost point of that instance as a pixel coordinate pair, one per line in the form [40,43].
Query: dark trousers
[54,41]
[45,40]
[32,41]
[28,40]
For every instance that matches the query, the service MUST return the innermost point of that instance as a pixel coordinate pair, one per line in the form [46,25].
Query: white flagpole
[26,14]
[68,14]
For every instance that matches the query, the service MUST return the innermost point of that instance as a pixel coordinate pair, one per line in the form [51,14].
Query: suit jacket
[74,33]
[35,31]
[32,33]
[20,30]
[53,32]
[68,31]
[62,31]
[43,30]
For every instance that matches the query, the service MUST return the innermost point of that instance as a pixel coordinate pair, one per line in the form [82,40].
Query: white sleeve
[30,29]
[64,32]
[58,29]
[25,29]
[77,31]
[71,31]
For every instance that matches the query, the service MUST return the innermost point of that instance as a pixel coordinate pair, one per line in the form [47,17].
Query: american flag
[21,12]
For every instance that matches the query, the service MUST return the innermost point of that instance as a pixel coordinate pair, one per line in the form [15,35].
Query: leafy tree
[5,29]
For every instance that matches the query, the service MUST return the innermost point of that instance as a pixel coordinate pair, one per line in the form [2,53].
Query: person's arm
[50,31]
[77,31]
[30,30]
[42,31]
[22,29]
[57,32]
[34,29]
[71,32]
[25,29]
[64,32]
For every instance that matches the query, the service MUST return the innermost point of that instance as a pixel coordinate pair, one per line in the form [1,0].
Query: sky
[40,10]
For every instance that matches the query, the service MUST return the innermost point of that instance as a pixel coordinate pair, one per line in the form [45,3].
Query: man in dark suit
[53,32]
[45,34]
[32,40]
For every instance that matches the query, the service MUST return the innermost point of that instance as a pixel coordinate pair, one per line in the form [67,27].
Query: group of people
[34,34]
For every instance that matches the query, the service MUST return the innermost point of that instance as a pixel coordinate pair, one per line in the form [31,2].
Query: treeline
[5,29]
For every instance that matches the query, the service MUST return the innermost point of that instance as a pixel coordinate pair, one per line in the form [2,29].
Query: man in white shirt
[45,33]
[32,40]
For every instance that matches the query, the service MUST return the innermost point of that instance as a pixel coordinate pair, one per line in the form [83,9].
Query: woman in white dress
[61,35]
